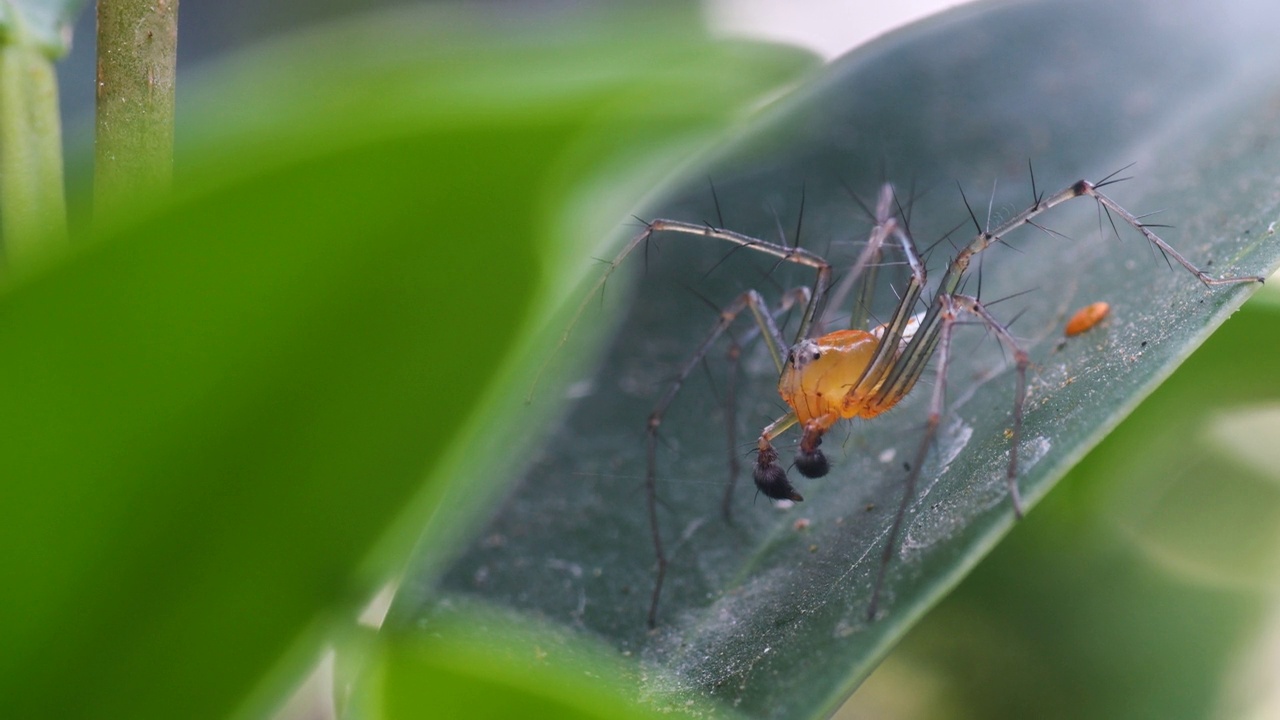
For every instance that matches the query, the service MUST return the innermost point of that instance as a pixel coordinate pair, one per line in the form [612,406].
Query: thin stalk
[32,204]
[137,59]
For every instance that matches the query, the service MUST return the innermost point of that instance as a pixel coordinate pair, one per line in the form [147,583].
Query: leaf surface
[767,615]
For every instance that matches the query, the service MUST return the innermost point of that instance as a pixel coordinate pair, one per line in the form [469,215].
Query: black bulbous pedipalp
[772,481]
[812,463]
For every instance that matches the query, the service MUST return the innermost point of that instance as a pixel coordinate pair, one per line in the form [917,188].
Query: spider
[826,377]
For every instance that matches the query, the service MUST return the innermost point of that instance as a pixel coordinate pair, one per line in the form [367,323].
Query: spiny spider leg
[906,368]
[734,359]
[1081,188]
[796,255]
[866,266]
[773,338]
[784,253]
[951,307]
[799,296]
[890,349]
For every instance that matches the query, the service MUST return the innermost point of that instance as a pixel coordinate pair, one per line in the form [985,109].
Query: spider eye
[791,356]
[816,355]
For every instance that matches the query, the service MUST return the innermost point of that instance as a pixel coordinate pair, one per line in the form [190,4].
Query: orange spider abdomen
[820,375]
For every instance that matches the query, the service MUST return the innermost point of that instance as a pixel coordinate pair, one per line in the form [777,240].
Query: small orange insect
[1086,317]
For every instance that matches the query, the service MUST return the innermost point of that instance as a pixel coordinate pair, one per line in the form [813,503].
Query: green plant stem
[137,54]
[32,206]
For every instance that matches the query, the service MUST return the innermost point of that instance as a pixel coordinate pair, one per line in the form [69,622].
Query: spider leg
[797,296]
[942,341]
[733,357]
[904,375]
[784,253]
[952,307]
[884,376]
[866,266]
[921,346]
[1021,360]
[1081,188]
[1090,189]
[753,301]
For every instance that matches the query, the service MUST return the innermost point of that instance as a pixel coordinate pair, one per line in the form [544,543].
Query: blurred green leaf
[475,663]
[229,418]
[765,616]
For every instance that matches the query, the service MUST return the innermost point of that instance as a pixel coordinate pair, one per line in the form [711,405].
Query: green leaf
[228,419]
[768,616]
[476,663]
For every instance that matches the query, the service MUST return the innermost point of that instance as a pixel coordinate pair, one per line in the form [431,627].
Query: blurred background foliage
[238,407]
